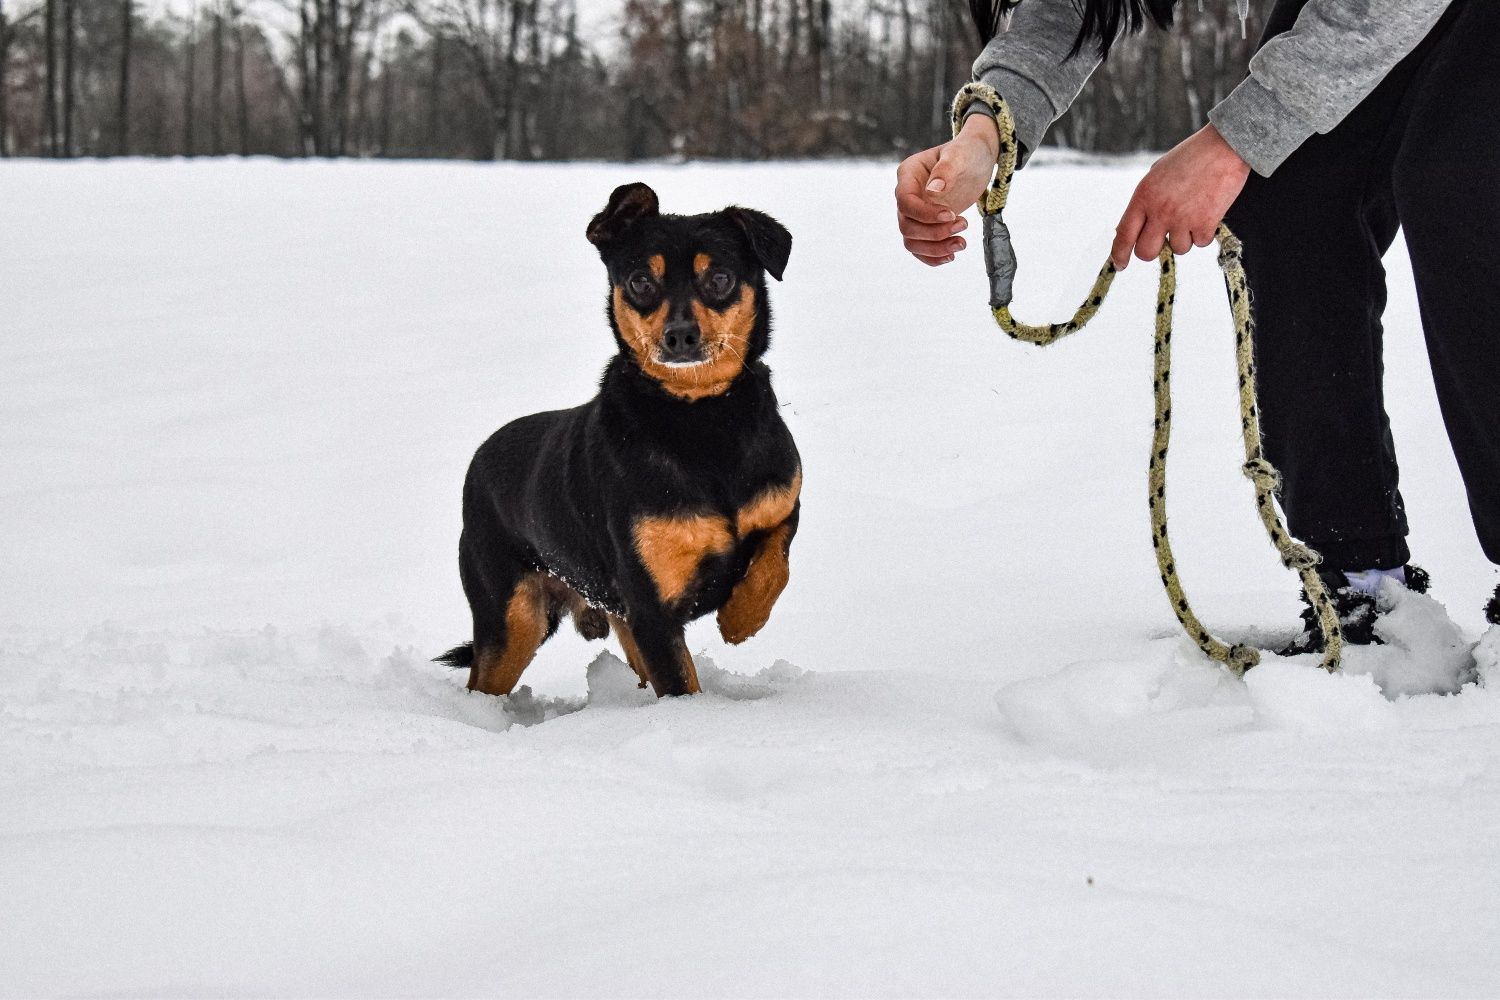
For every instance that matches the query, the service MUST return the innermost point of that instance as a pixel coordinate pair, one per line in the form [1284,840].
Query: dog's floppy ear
[628,205]
[769,240]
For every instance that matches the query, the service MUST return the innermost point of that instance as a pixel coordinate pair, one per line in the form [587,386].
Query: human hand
[936,186]
[1182,198]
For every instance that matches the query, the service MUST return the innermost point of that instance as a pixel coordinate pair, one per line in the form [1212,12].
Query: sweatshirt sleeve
[1310,77]
[1029,66]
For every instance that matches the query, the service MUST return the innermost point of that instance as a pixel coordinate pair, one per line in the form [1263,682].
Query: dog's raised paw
[734,630]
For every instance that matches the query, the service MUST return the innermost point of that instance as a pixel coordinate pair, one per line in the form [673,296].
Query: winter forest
[537,80]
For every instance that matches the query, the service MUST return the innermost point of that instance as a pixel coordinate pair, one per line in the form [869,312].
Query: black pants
[1421,153]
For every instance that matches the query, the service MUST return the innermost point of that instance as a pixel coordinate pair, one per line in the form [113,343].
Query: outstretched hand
[1182,199]
[936,186]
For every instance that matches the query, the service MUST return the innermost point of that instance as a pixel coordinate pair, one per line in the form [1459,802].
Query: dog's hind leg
[504,649]
[512,618]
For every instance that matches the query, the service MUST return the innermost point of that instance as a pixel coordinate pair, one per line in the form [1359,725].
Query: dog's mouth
[684,357]
[710,369]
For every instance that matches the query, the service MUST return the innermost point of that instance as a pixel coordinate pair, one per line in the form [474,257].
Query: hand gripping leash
[1000,261]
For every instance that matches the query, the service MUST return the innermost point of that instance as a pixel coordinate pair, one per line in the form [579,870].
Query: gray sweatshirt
[1302,81]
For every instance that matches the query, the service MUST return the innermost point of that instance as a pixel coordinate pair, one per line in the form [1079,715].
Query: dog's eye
[718,283]
[641,285]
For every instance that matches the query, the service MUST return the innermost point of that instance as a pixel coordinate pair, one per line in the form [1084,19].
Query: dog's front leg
[657,652]
[750,602]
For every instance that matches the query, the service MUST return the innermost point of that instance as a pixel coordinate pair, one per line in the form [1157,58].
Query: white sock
[1368,581]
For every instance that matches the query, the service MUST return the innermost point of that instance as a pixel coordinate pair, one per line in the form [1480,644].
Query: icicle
[1244,6]
[1200,6]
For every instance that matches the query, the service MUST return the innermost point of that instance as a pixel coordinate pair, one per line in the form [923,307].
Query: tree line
[516,79]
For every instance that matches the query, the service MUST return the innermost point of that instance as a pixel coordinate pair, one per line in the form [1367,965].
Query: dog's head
[688,292]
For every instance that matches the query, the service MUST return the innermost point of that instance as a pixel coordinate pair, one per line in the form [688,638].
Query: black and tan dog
[672,493]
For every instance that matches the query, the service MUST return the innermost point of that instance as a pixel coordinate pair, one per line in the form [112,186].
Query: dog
[673,493]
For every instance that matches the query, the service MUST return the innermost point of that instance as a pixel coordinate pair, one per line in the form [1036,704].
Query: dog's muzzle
[681,344]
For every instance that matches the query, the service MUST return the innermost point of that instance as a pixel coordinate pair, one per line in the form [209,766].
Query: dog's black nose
[681,341]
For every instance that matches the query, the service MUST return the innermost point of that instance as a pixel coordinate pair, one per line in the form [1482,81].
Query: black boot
[1492,609]
[1357,611]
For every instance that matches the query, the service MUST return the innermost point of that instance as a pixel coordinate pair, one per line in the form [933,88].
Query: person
[1357,117]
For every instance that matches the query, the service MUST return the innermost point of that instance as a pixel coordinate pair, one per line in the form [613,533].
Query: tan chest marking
[672,548]
[769,508]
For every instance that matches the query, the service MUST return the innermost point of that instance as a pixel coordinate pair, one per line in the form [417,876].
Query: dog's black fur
[672,493]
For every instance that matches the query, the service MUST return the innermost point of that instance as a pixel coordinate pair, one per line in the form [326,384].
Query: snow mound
[742,687]
[117,696]
[1083,699]
[1173,691]
[612,682]
[120,697]
[1292,693]
[1423,651]
[1487,658]
[522,707]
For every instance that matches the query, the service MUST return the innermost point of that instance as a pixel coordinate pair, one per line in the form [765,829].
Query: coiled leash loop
[1000,261]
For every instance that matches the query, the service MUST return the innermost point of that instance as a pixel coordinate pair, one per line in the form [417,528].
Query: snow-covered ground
[970,755]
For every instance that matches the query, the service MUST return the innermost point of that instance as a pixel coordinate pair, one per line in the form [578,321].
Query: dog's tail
[458,656]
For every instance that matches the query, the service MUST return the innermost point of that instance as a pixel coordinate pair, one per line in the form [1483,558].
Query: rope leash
[1000,261]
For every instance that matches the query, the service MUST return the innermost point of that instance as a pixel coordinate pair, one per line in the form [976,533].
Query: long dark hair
[1104,21]
[987,15]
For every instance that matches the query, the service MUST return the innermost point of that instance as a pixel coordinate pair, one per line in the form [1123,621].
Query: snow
[971,753]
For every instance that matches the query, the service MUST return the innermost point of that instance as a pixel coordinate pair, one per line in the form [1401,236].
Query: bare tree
[5,35]
[9,25]
[819,25]
[70,48]
[190,83]
[216,85]
[435,92]
[492,35]
[242,99]
[50,96]
[122,111]
[327,46]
